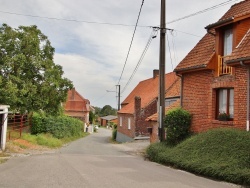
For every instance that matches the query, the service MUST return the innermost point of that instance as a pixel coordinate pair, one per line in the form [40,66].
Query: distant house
[172,100]
[107,119]
[140,104]
[216,73]
[77,106]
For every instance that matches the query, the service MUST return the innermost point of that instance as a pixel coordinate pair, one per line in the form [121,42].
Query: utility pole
[119,96]
[161,109]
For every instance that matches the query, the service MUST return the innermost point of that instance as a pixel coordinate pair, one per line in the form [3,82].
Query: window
[120,121]
[170,101]
[129,126]
[225,102]
[228,42]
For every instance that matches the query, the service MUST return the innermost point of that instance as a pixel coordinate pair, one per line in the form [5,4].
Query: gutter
[219,23]
[193,68]
[216,24]
[241,60]
[181,77]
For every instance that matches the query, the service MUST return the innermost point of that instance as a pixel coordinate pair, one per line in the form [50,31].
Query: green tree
[108,110]
[29,79]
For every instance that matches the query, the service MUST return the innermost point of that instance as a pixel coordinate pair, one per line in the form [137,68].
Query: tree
[107,110]
[29,79]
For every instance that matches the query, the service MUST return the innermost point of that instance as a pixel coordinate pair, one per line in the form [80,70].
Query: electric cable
[70,20]
[151,37]
[169,51]
[202,11]
[131,42]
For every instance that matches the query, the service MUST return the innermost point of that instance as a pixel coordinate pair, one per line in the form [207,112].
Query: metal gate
[17,124]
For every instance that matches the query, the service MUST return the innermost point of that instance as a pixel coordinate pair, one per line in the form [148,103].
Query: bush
[37,124]
[59,126]
[114,133]
[219,153]
[177,122]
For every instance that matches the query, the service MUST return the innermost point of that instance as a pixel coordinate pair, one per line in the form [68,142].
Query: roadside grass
[3,157]
[48,140]
[222,154]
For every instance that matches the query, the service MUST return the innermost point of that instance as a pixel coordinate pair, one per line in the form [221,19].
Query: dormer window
[228,42]
[227,47]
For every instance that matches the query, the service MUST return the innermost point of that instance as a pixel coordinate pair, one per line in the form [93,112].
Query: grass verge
[222,154]
[48,140]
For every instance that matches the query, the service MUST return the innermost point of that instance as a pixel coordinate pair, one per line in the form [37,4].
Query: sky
[92,38]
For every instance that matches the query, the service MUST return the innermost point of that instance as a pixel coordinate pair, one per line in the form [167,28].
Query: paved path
[94,162]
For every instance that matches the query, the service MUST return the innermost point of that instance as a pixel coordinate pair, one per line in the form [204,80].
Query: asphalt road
[94,162]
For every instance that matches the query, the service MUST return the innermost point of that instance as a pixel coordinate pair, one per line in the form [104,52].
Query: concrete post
[4,111]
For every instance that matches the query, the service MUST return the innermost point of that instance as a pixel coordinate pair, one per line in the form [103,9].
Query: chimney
[137,104]
[155,73]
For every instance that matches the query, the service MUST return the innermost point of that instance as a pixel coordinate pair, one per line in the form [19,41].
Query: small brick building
[140,104]
[77,106]
[215,73]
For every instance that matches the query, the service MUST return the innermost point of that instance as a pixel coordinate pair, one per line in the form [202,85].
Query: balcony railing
[222,68]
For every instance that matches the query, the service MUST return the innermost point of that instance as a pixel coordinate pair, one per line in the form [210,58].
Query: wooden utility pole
[161,109]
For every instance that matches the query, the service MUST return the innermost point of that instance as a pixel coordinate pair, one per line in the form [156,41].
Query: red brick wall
[123,127]
[154,135]
[199,98]
[141,124]
[196,96]
[137,121]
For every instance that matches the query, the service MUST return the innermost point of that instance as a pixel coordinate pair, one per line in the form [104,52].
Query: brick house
[106,120]
[77,106]
[215,73]
[172,100]
[140,104]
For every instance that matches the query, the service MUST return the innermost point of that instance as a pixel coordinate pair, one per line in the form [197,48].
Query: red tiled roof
[242,50]
[154,117]
[147,90]
[75,102]
[203,52]
[238,9]
[199,56]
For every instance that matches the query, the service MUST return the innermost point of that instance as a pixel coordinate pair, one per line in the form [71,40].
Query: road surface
[94,162]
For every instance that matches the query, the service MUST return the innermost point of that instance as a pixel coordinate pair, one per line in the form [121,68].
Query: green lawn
[223,154]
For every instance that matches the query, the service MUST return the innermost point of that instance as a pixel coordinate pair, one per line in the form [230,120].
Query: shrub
[114,132]
[59,126]
[177,122]
[37,124]
[221,153]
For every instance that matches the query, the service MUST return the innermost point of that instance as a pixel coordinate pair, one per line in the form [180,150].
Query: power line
[131,42]
[174,49]
[120,24]
[70,20]
[152,35]
[202,11]
[170,51]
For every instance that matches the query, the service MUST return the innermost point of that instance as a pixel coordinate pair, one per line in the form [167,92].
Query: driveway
[93,162]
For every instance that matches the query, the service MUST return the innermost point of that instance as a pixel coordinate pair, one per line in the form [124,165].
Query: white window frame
[129,123]
[120,121]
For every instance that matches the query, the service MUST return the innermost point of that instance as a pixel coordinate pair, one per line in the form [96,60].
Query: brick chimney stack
[155,73]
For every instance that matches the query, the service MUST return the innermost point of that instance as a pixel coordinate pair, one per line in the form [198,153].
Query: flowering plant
[223,116]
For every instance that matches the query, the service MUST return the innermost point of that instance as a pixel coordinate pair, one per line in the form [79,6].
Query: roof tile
[148,90]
